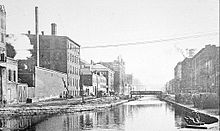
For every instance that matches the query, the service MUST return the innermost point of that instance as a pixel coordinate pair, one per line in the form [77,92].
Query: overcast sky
[104,22]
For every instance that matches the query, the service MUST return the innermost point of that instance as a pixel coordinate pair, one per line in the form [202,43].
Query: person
[196,116]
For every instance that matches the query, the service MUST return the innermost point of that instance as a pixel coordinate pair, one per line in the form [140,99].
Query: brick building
[199,73]
[56,53]
[205,66]
[178,73]
[118,66]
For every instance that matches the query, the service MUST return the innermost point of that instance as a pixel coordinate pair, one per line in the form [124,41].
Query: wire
[153,41]
[140,43]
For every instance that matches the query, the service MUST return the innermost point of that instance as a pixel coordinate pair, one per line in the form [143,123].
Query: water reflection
[20,123]
[148,113]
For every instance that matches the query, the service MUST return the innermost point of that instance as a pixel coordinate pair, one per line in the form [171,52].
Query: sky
[112,22]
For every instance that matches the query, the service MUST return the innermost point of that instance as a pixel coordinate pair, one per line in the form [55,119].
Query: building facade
[107,73]
[12,81]
[205,66]
[199,73]
[178,77]
[128,83]
[93,82]
[57,53]
[3,70]
[118,66]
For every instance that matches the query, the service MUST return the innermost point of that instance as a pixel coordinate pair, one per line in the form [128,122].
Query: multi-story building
[107,73]
[12,80]
[3,70]
[205,65]
[199,73]
[186,81]
[170,86]
[118,66]
[178,77]
[56,53]
[93,82]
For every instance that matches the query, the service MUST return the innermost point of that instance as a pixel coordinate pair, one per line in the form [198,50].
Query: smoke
[21,45]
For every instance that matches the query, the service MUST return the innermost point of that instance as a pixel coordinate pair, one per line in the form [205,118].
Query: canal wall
[204,116]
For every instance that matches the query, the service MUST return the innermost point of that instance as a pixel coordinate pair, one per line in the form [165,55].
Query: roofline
[54,36]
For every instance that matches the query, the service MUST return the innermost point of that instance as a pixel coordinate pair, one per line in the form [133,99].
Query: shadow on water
[147,113]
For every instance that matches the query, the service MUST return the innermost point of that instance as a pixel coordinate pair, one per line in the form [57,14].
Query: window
[14,75]
[2,24]
[2,38]
[9,75]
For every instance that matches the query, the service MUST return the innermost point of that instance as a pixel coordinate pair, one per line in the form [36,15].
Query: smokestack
[37,34]
[29,32]
[53,29]
[42,32]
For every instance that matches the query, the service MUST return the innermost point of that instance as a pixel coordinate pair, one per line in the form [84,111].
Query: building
[170,86]
[11,94]
[93,82]
[199,73]
[187,81]
[178,77]
[128,83]
[183,76]
[8,66]
[59,56]
[107,73]
[3,70]
[118,66]
[205,66]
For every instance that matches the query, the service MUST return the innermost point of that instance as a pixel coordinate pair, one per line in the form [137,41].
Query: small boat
[196,126]
[192,123]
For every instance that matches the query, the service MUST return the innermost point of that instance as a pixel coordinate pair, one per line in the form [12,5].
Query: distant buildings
[107,73]
[93,82]
[199,73]
[128,84]
[118,66]
[59,56]
[98,77]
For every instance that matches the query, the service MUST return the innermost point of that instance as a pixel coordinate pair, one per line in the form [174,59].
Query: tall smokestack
[37,34]
[53,29]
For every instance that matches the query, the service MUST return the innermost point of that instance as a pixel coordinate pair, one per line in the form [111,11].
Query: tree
[10,50]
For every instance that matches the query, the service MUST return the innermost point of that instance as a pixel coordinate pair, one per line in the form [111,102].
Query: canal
[145,114]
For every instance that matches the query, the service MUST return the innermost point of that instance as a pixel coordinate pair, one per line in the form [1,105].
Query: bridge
[145,93]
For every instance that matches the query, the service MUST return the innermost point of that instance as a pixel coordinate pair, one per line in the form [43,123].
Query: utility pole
[37,35]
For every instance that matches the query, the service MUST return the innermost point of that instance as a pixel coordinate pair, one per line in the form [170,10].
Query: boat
[196,126]
[193,123]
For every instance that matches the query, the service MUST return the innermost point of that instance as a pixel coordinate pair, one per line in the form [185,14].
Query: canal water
[145,114]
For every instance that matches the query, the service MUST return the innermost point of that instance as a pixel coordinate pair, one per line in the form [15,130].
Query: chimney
[42,32]
[29,32]
[53,29]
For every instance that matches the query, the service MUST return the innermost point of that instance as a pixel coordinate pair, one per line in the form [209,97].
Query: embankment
[204,116]
[90,105]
